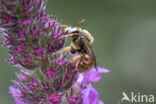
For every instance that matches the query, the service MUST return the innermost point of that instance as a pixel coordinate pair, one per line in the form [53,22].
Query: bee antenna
[79,22]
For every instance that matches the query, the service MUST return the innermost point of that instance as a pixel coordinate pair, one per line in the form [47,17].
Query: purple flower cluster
[31,36]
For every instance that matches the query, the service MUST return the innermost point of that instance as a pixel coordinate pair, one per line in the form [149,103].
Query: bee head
[74,28]
[70,30]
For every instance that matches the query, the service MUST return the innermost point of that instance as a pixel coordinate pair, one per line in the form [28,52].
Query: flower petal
[103,70]
[94,76]
[89,95]
[100,102]
[18,101]
[15,92]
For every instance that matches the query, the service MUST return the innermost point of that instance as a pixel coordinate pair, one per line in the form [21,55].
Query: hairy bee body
[80,44]
[85,63]
[77,43]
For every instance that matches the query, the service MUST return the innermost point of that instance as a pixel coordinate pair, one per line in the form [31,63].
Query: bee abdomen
[84,64]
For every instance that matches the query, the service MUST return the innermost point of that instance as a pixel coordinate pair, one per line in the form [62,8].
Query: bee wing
[78,22]
[90,51]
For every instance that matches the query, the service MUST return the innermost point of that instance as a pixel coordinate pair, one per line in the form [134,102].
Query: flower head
[43,78]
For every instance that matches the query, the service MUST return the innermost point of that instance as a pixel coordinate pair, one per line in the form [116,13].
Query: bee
[81,46]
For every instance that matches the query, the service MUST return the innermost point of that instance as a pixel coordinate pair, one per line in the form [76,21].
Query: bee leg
[64,50]
[65,26]
[77,66]
[73,60]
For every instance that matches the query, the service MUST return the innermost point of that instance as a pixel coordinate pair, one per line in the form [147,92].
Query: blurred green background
[125,43]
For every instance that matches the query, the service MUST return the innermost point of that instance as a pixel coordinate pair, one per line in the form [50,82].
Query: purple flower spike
[31,35]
